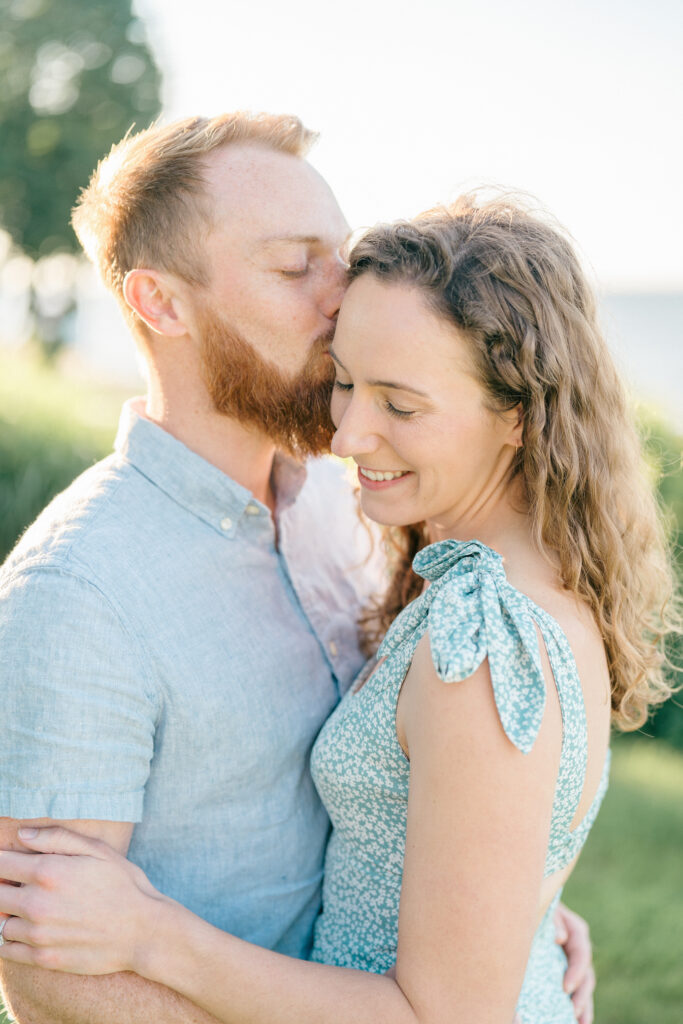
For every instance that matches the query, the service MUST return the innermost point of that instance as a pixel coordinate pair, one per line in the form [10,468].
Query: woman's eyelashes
[390,408]
[401,413]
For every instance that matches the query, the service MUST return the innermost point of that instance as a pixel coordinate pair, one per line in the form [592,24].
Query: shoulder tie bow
[473,613]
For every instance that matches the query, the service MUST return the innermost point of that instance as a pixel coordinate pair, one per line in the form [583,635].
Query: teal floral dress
[362,774]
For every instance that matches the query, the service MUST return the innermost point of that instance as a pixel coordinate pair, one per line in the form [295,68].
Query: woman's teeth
[372,474]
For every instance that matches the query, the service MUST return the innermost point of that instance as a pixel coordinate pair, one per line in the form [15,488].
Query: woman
[477,397]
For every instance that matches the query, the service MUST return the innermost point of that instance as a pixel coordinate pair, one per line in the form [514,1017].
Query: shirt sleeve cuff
[43,803]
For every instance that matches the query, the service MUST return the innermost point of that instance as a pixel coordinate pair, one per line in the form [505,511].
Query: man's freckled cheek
[230,291]
[297,319]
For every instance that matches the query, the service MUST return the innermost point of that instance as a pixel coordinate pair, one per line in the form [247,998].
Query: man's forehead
[273,198]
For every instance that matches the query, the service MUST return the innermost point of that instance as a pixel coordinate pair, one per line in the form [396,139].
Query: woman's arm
[117,922]
[479,814]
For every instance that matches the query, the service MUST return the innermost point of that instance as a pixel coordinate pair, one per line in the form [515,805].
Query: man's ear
[152,296]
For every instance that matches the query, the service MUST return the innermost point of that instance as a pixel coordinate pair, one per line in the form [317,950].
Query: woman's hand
[83,908]
[571,932]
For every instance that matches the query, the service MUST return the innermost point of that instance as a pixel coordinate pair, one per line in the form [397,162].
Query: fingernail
[27,833]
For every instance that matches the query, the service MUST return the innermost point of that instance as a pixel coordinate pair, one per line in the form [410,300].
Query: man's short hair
[145,203]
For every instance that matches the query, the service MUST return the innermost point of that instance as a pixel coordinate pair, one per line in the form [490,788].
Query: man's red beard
[293,412]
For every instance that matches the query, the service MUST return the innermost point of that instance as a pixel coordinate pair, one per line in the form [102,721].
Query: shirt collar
[191,481]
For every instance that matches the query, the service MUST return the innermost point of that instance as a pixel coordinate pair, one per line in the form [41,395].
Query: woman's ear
[151,295]
[516,435]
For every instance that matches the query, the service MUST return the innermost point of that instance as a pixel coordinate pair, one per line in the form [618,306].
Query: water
[645,334]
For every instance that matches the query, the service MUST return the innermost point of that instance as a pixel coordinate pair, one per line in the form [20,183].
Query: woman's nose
[354,435]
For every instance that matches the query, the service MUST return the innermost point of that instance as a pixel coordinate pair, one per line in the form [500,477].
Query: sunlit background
[578,104]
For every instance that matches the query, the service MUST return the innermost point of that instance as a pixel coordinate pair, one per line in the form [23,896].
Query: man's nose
[334,286]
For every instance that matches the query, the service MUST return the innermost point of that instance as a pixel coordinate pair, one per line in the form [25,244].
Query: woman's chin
[384,514]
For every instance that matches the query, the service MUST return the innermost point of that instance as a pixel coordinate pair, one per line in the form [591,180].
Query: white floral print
[362,774]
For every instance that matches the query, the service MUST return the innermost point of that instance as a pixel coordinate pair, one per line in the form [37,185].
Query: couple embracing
[184,630]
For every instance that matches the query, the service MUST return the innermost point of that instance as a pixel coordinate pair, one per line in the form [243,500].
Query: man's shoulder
[331,497]
[329,503]
[330,521]
[327,475]
[63,594]
[81,518]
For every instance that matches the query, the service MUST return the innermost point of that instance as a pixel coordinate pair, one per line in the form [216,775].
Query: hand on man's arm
[572,933]
[36,996]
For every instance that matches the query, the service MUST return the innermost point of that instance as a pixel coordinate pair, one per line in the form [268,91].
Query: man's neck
[242,453]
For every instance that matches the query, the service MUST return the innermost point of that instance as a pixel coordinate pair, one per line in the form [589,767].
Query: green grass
[628,886]
[51,429]
[35,397]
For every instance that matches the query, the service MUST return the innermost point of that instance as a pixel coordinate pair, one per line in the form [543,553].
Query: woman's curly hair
[511,283]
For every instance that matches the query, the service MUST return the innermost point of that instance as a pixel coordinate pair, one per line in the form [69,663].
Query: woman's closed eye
[393,411]
[341,385]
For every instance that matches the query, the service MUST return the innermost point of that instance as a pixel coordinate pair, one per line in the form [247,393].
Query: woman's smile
[380,479]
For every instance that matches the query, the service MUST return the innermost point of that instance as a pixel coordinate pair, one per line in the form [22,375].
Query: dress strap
[473,613]
[571,774]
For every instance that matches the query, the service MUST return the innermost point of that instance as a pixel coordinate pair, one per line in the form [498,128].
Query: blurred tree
[74,76]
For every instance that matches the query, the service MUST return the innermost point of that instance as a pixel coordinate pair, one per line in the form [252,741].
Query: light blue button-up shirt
[163,662]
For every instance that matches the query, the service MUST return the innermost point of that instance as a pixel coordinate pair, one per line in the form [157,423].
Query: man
[177,625]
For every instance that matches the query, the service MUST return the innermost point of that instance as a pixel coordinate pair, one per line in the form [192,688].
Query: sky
[579,104]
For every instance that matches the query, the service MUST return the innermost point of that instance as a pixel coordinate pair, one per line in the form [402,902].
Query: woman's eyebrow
[396,386]
[380,383]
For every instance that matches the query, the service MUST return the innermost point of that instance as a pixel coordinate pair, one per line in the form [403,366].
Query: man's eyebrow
[380,383]
[305,239]
[300,239]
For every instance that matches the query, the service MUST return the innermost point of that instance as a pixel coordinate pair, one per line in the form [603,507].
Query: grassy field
[628,886]
[31,392]
[51,428]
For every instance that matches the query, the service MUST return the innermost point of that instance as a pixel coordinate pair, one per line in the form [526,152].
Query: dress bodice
[472,613]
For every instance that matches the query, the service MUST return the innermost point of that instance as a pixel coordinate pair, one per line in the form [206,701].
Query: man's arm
[36,996]
[79,706]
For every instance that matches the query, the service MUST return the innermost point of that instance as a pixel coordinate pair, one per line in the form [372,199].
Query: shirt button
[226,524]
[334,651]
[252,510]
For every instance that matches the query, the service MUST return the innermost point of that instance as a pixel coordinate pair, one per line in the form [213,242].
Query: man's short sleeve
[78,714]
